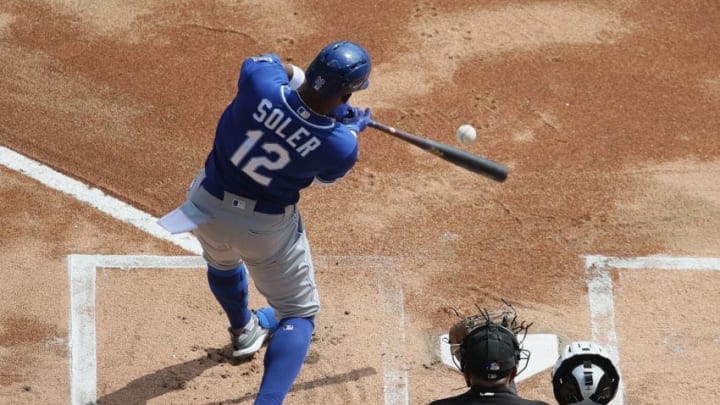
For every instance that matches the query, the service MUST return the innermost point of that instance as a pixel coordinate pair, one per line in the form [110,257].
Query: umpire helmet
[584,374]
[340,68]
[489,352]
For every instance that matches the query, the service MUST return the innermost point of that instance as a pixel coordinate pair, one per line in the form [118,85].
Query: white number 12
[282,157]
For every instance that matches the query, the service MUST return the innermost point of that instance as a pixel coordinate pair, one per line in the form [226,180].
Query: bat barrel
[458,157]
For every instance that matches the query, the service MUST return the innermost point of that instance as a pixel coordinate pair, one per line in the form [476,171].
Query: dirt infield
[606,114]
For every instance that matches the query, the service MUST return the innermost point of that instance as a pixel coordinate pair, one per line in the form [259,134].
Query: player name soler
[275,121]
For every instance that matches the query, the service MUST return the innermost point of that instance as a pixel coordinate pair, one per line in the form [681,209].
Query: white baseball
[466,134]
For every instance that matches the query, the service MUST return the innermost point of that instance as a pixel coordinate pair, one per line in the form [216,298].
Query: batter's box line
[82,342]
[96,198]
[601,297]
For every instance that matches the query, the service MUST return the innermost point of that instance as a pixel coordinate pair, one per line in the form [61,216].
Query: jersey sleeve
[332,175]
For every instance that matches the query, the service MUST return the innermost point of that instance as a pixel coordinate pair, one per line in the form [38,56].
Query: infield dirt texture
[605,112]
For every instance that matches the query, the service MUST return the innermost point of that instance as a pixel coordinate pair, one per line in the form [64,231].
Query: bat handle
[380,126]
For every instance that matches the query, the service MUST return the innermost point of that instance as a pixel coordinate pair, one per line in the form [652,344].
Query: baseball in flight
[466,134]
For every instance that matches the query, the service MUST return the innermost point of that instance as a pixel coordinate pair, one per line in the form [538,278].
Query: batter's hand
[341,112]
[358,119]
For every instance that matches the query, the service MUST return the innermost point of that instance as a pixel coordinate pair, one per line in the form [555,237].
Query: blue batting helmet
[339,69]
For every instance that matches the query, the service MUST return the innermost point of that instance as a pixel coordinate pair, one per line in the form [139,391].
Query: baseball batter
[284,130]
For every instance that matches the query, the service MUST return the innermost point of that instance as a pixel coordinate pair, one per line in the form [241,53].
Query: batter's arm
[331,176]
[296,76]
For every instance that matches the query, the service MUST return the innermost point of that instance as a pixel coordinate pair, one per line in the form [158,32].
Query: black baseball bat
[458,157]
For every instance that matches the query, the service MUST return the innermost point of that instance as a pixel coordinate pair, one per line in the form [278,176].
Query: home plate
[543,354]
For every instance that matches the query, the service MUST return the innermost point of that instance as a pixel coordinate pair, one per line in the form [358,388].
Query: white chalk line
[82,307]
[655,262]
[82,340]
[95,198]
[395,374]
[601,297]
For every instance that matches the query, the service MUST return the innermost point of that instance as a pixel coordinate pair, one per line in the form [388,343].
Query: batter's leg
[230,288]
[283,359]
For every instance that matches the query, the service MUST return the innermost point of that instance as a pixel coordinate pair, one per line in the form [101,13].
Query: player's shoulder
[261,63]
[438,402]
[464,398]
[265,58]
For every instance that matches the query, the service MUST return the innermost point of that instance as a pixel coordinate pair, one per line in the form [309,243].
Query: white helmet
[584,374]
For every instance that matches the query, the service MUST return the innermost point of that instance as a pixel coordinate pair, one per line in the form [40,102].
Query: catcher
[487,351]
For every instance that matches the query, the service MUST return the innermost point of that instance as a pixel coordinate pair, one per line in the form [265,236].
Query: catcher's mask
[489,352]
[584,374]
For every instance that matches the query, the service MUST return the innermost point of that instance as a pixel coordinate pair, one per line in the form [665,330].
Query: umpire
[489,357]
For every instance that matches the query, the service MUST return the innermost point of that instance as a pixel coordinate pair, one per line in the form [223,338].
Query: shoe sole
[252,349]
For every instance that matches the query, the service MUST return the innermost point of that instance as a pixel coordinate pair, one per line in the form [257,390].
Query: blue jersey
[269,145]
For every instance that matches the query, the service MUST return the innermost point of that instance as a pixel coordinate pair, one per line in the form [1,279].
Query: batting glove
[358,119]
[341,112]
